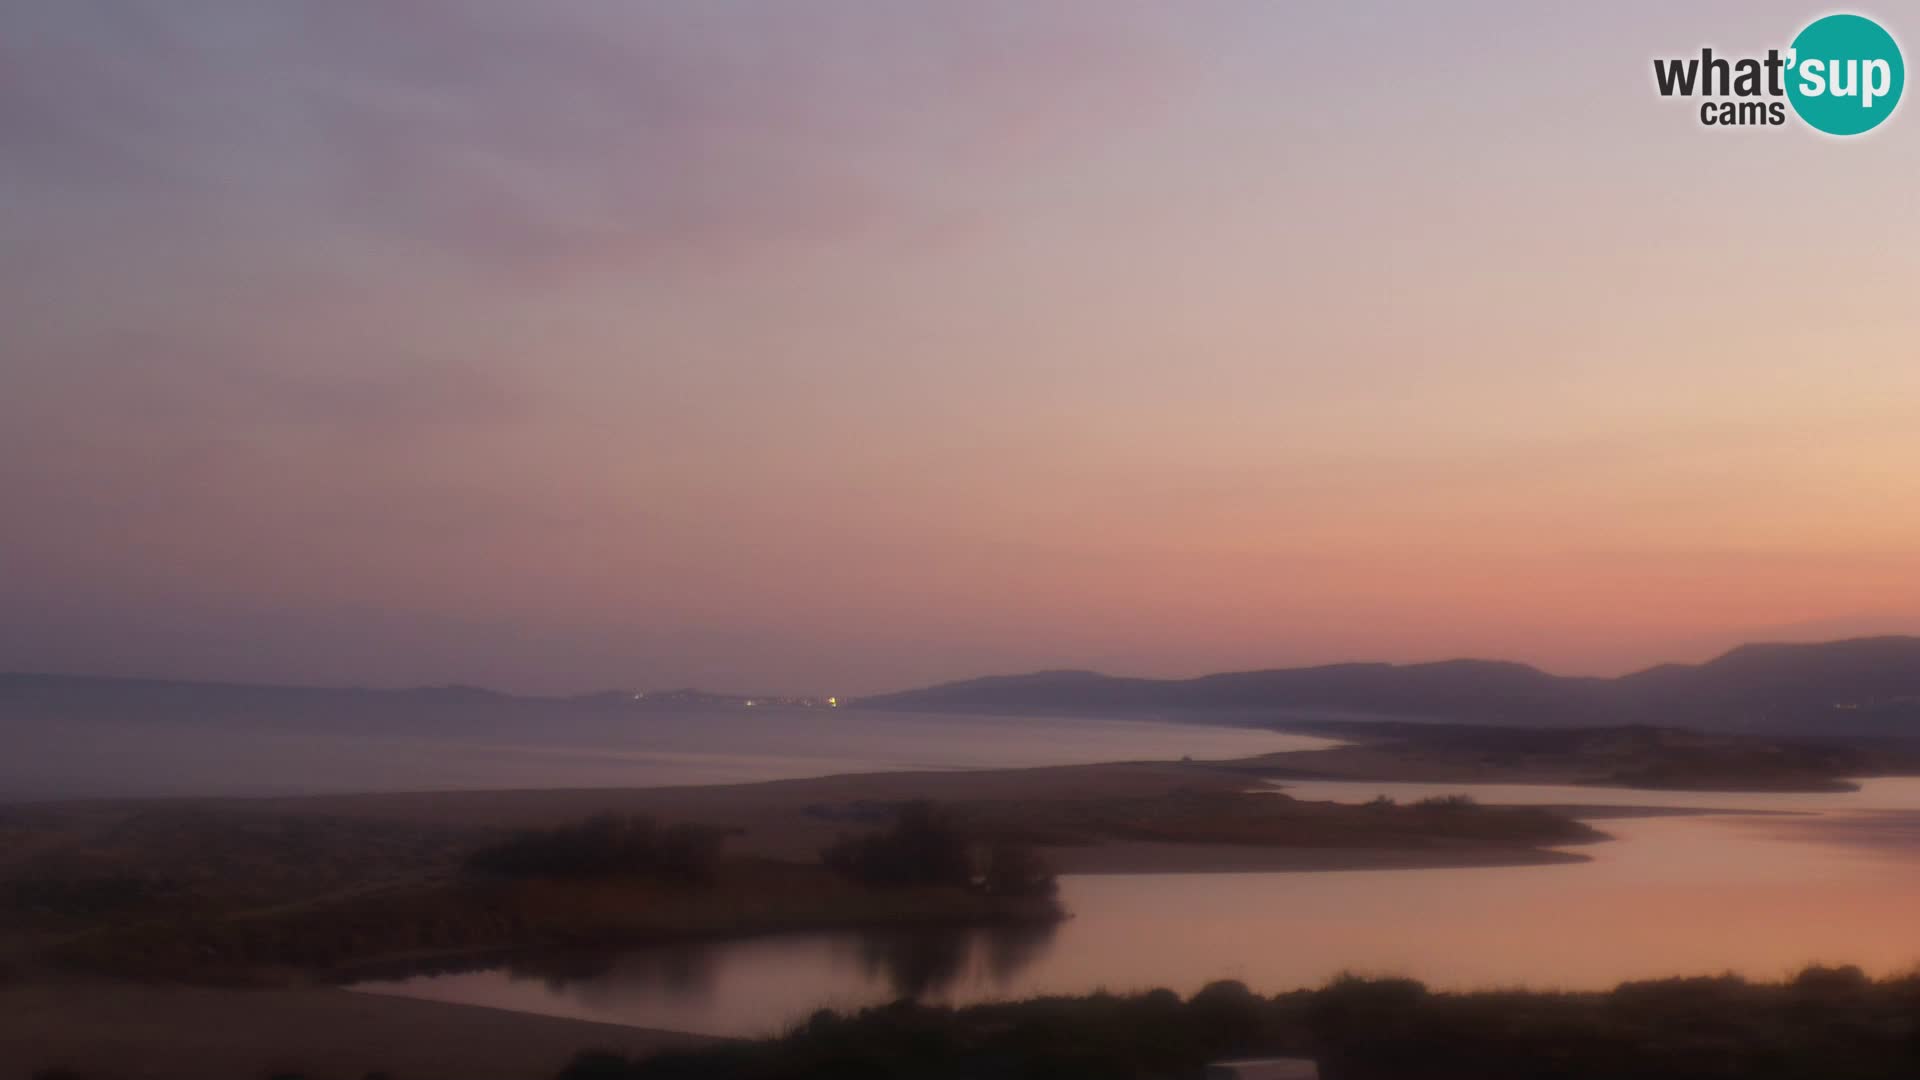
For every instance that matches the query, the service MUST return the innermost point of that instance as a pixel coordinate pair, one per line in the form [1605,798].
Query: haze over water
[566,747]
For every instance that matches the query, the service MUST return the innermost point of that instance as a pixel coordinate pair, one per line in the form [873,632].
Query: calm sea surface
[1833,879]
[392,750]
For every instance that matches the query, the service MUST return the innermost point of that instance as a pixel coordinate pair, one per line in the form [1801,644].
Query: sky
[843,347]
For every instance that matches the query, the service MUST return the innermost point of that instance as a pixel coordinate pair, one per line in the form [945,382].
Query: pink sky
[652,345]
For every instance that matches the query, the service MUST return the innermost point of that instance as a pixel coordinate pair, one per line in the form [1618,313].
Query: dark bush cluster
[926,847]
[1098,1038]
[606,845]
[1016,870]
[923,847]
[1447,803]
[83,897]
[1826,1024]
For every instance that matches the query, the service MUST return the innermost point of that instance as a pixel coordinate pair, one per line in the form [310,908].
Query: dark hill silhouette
[133,698]
[1862,686]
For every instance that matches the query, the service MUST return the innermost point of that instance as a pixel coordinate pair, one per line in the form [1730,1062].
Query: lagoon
[1786,880]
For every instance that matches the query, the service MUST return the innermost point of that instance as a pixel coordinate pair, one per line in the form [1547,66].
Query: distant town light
[833,702]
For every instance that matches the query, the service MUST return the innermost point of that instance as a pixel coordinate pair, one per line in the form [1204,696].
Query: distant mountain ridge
[1861,685]
[1857,686]
[446,708]
[15,685]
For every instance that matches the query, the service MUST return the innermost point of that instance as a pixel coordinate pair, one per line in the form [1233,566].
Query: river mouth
[1770,883]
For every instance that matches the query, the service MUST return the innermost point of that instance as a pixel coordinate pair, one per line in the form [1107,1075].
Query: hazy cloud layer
[842,346]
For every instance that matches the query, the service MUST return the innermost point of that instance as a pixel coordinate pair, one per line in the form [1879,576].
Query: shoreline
[793,819]
[202,890]
[117,1026]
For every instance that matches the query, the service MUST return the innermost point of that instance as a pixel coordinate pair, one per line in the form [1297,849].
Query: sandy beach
[794,819]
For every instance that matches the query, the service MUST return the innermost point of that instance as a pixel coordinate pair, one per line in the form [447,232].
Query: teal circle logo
[1846,74]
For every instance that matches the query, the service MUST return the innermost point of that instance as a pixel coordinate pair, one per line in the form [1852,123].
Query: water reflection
[750,986]
[684,970]
[1828,878]
[932,963]
[542,745]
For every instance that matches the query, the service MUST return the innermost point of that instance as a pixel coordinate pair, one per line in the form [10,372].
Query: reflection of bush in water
[915,963]
[912,963]
[557,968]
[920,963]
[685,971]
[1012,949]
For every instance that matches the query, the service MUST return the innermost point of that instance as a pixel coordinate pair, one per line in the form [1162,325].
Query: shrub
[924,847]
[1016,870]
[1446,802]
[1226,1014]
[607,845]
[1356,1029]
[1842,982]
